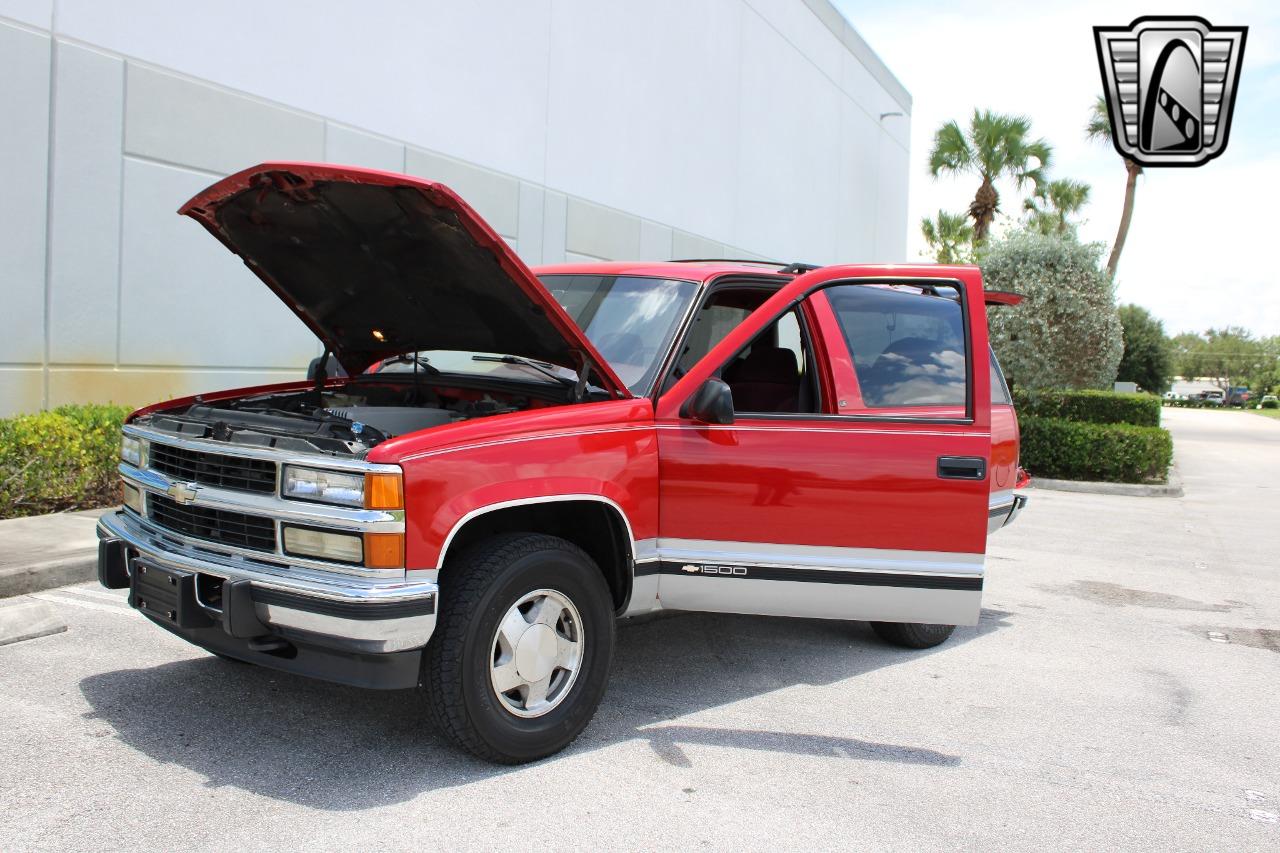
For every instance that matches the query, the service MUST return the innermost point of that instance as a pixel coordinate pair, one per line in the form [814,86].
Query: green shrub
[1097,407]
[1118,453]
[1269,404]
[1066,333]
[61,459]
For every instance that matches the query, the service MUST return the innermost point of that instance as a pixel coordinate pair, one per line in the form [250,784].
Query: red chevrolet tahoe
[511,458]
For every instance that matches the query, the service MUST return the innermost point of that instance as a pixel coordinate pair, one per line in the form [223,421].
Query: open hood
[378,264]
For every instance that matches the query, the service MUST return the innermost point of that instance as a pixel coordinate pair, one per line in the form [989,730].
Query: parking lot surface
[1121,691]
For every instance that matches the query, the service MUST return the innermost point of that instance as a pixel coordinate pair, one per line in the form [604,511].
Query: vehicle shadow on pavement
[333,747]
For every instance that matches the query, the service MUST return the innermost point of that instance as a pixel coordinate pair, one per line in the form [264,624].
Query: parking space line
[120,608]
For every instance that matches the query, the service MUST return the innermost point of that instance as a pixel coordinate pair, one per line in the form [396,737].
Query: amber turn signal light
[383,491]
[384,550]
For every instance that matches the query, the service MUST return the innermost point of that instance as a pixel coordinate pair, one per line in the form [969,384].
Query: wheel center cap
[536,653]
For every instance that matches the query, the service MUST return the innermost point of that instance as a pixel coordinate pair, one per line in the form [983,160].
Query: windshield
[631,321]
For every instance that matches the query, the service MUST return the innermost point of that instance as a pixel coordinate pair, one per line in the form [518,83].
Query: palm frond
[951,151]
[1054,201]
[1098,127]
[950,237]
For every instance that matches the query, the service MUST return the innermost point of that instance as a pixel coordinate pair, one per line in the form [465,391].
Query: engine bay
[346,420]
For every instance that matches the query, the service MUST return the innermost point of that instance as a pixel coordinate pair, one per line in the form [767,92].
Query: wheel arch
[611,544]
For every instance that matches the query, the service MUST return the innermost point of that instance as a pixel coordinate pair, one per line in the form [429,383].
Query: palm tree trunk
[1130,188]
[983,209]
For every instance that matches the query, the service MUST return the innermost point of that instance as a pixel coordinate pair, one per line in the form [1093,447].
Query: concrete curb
[1171,489]
[43,551]
[25,619]
[20,580]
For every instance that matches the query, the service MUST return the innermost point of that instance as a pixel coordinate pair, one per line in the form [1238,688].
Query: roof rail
[795,268]
[726,261]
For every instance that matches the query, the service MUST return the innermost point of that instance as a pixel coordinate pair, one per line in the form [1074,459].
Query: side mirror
[711,404]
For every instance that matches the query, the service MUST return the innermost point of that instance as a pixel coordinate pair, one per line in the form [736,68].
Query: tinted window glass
[715,319]
[907,344]
[630,320]
[999,389]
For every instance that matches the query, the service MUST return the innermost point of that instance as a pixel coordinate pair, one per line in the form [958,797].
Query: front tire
[520,657]
[912,635]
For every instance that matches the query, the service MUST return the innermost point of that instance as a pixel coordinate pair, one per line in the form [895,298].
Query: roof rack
[792,268]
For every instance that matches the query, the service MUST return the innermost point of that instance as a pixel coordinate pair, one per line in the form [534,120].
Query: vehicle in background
[1238,397]
[1212,398]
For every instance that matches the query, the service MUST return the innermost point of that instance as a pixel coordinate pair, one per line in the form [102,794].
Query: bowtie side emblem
[183,493]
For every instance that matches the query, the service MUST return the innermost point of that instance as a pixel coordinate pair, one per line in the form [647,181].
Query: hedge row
[1098,407]
[61,459]
[1192,403]
[1118,453]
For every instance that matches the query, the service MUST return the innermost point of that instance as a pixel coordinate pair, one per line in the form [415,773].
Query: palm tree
[950,236]
[995,147]
[1099,128]
[1053,202]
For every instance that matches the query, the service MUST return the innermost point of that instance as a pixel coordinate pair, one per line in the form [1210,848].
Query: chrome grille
[215,525]
[214,469]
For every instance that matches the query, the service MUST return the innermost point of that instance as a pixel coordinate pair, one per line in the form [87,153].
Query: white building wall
[579,129]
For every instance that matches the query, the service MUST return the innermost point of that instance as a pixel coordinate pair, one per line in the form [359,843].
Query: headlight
[306,542]
[331,487]
[133,450]
[375,490]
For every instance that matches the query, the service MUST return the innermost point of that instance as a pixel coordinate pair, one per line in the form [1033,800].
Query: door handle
[962,468]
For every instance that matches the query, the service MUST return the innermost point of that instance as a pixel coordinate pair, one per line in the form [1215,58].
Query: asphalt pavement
[1121,692]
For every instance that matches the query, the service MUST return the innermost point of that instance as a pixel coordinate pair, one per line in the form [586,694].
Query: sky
[1196,252]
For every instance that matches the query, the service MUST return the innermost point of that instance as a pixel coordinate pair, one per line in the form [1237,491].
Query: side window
[907,343]
[774,375]
[999,388]
[716,318]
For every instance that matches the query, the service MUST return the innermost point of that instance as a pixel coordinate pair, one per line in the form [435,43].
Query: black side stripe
[645,569]
[762,573]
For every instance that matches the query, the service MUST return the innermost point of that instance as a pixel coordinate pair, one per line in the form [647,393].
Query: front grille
[214,469]
[216,525]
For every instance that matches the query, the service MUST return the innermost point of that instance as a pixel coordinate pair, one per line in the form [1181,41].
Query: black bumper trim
[389,671]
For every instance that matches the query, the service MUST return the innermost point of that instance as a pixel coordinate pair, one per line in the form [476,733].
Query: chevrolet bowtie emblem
[1171,85]
[183,493]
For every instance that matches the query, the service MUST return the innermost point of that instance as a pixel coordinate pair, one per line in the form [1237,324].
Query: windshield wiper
[530,363]
[414,359]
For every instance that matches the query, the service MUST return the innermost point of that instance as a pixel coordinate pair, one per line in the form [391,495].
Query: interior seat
[767,380]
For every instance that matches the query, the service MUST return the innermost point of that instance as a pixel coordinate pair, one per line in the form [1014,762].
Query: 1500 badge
[735,571]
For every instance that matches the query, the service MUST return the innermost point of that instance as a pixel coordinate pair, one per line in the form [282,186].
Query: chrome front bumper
[344,613]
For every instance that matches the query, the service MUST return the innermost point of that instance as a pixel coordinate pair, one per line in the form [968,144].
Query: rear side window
[999,388]
[908,343]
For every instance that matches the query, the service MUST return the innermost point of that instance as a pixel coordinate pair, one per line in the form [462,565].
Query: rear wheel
[520,656]
[912,635]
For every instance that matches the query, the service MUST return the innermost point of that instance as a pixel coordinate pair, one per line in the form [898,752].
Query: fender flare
[540,499]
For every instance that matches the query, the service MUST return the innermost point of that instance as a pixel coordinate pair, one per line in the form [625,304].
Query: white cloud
[1198,235]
